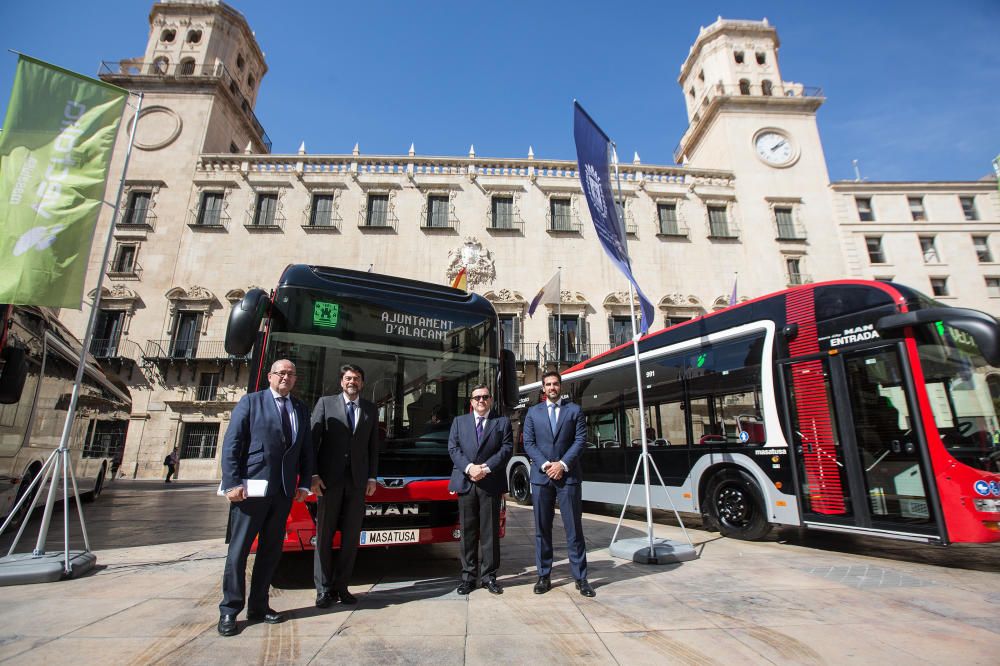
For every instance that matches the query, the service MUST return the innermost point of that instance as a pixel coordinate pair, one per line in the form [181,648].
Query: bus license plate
[385,537]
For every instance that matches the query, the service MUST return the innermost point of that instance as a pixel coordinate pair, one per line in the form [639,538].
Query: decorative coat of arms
[477,261]
[596,191]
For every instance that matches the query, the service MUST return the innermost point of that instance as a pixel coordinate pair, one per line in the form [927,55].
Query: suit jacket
[334,441]
[254,446]
[494,451]
[566,444]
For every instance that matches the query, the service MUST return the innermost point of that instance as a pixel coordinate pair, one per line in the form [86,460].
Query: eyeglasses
[284,373]
[479,398]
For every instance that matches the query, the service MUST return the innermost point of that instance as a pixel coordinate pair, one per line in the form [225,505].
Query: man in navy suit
[267,441]
[555,434]
[345,436]
[480,447]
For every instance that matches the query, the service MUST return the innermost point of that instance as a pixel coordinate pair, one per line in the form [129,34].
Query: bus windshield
[964,392]
[419,368]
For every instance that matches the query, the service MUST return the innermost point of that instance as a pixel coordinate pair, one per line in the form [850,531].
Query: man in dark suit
[345,436]
[555,434]
[268,443]
[480,447]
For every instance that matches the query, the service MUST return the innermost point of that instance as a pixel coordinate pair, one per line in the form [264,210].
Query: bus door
[861,464]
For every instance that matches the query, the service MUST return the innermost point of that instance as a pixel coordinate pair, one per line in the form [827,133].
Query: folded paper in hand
[252,487]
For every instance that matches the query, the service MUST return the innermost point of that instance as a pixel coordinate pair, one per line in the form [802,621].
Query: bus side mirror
[244,322]
[15,371]
[508,377]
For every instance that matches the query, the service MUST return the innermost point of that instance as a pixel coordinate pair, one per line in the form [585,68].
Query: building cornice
[914,186]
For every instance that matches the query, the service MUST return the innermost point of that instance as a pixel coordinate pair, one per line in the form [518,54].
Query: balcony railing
[790,232]
[116,348]
[447,222]
[124,71]
[564,223]
[208,220]
[377,222]
[672,229]
[505,223]
[137,218]
[525,352]
[131,271]
[727,230]
[321,223]
[187,349]
[794,279]
[575,353]
[254,222]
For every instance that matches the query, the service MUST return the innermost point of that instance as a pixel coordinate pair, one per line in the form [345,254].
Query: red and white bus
[38,362]
[422,347]
[853,406]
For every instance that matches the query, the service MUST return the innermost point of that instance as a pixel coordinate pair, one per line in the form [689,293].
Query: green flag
[55,150]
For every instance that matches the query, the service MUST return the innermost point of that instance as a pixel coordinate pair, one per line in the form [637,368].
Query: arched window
[193,36]
[744,86]
[251,81]
[738,57]
[160,65]
[168,35]
[187,66]
[765,87]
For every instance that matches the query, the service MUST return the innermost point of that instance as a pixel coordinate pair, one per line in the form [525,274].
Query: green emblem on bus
[325,315]
[701,359]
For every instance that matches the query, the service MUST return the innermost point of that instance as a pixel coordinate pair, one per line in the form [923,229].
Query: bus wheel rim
[733,506]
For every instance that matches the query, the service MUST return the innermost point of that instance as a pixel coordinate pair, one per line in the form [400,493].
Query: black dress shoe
[466,587]
[493,586]
[543,585]
[324,600]
[585,588]
[227,625]
[268,615]
[347,598]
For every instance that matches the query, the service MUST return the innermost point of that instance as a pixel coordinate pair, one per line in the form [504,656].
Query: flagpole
[63,450]
[559,319]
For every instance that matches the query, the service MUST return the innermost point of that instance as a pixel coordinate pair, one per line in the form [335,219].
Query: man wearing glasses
[267,459]
[480,446]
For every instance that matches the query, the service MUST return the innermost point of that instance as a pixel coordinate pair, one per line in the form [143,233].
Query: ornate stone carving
[477,260]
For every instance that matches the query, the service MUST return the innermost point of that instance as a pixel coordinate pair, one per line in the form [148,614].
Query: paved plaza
[789,600]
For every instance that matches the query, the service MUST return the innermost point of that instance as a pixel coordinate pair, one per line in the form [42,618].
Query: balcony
[437,221]
[263,223]
[672,229]
[374,221]
[171,350]
[208,220]
[510,223]
[723,230]
[137,218]
[796,279]
[125,72]
[525,352]
[567,224]
[322,222]
[124,271]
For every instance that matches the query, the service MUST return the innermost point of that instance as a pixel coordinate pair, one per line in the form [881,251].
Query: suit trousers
[479,516]
[264,518]
[342,507]
[570,498]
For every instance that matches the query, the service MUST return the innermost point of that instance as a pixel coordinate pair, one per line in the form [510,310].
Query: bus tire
[735,504]
[520,485]
[26,479]
[98,487]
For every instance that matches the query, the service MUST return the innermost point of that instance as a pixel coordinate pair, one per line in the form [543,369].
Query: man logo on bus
[325,314]
[982,487]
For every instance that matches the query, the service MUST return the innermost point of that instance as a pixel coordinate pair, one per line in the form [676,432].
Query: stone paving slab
[770,602]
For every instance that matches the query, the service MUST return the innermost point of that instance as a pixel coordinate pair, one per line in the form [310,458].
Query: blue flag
[592,156]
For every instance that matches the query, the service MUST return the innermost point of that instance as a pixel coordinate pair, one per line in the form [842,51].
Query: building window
[785,222]
[673,320]
[570,344]
[107,333]
[766,88]
[876,255]
[168,35]
[982,245]
[240,62]
[969,208]
[161,65]
[184,341]
[193,36]
[993,287]
[666,214]
[378,210]
[691,92]
[792,265]
[438,209]
[738,57]
[208,386]
[561,213]
[929,250]
[502,212]
[264,214]
[917,211]
[210,209]
[701,76]
[199,440]
[744,86]
[718,222]
[865,212]
[321,211]
[186,67]
[510,328]
[251,81]
[939,286]
[137,210]
[233,148]
[628,224]
[619,330]
[761,57]
[106,440]
[124,261]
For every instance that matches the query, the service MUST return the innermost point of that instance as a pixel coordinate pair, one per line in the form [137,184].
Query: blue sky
[912,87]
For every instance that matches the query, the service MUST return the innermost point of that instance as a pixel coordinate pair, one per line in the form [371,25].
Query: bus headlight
[989,505]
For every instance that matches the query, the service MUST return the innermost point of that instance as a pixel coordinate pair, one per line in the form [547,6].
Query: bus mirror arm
[508,377]
[983,328]
[244,322]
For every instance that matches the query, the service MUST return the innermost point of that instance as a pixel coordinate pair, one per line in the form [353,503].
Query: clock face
[774,148]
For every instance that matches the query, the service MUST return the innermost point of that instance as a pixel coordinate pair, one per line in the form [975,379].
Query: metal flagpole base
[25,568]
[664,551]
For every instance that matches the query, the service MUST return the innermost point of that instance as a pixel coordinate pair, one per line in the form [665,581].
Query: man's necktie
[350,415]
[479,428]
[552,417]
[286,420]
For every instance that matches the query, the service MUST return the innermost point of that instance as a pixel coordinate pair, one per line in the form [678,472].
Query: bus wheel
[734,503]
[520,485]
[22,512]
[98,487]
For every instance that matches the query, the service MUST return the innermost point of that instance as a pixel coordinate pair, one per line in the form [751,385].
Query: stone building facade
[209,213]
